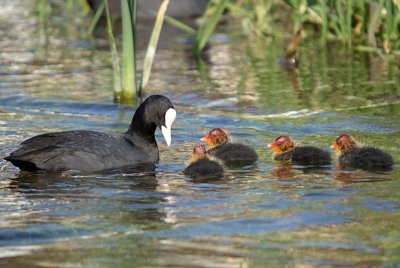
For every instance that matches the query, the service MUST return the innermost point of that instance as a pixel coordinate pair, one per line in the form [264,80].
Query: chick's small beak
[271,145]
[333,146]
[206,138]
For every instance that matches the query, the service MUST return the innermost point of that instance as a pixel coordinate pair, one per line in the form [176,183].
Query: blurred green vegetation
[359,24]
[335,26]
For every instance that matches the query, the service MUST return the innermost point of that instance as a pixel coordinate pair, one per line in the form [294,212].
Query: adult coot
[93,151]
[351,154]
[286,150]
[201,165]
[232,154]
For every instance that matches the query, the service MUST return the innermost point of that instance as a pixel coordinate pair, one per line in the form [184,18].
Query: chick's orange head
[215,137]
[344,142]
[281,144]
[199,149]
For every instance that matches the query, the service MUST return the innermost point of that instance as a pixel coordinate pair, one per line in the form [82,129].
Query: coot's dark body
[234,154]
[204,168]
[351,154]
[286,150]
[80,150]
[93,151]
[366,158]
[306,155]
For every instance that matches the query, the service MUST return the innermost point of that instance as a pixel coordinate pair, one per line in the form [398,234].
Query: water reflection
[88,200]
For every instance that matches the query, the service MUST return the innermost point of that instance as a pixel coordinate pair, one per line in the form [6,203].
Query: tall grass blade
[349,31]
[128,41]
[341,21]
[95,19]
[375,13]
[238,9]
[208,27]
[151,48]
[133,10]
[391,25]
[114,54]
[325,23]
[180,25]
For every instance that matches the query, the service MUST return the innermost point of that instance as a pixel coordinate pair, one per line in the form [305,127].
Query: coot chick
[89,151]
[232,154]
[286,150]
[351,154]
[201,165]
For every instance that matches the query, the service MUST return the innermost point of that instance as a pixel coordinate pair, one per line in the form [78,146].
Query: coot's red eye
[161,116]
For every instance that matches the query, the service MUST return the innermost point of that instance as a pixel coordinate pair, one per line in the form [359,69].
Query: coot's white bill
[170,116]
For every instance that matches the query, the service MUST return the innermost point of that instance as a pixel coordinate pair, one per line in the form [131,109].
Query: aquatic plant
[129,89]
[125,85]
[114,53]
[151,48]
[358,24]
[96,18]
[209,21]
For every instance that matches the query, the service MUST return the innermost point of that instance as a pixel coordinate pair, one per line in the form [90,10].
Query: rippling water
[267,215]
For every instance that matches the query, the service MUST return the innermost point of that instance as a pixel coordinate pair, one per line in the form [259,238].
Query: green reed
[96,18]
[392,31]
[114,53]
[125,85]
[128,12]
[358,24]
[180,25]
[210,20]
[125,90]
[151,48]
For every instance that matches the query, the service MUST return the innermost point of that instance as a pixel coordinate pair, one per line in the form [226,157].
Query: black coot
[350,154]
[202,167]
[286,150]
[93,151]
[232,154]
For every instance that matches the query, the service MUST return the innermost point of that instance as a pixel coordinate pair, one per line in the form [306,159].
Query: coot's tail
[22,164]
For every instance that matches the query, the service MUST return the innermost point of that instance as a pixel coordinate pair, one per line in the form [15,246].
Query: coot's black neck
[141,131]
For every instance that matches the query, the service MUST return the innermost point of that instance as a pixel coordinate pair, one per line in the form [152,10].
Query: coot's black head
[344,143]
[155,111]
[282,144]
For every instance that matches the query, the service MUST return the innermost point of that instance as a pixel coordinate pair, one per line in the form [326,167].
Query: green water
[269,215]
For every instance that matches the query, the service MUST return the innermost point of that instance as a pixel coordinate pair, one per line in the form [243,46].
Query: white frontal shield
[170,116]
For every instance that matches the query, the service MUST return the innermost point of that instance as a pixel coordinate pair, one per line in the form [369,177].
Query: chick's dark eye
[278,143]
[212,135]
